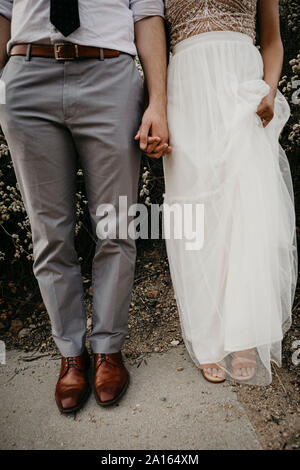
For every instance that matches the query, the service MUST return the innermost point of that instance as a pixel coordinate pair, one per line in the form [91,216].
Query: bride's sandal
[243,365]
[213,373]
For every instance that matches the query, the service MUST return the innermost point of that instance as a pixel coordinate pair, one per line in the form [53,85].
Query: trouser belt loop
[28,53]
[101,54]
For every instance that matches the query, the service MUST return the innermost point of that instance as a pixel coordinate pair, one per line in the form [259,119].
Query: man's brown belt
[63,51]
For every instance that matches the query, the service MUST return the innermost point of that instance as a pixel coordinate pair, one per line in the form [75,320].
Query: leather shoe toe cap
[106,395]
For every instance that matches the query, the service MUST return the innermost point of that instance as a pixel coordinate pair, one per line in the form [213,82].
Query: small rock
[180,369]
[24,332]
[174,343]
[153,294]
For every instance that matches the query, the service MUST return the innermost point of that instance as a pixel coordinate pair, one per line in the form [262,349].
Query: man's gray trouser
[54,113]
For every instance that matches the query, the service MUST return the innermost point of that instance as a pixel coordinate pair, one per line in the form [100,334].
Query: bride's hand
[265,109]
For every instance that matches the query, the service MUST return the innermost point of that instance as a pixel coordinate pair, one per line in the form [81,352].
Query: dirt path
[164,408]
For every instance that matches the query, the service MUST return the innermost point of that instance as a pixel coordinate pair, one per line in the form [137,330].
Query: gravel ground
[155,327]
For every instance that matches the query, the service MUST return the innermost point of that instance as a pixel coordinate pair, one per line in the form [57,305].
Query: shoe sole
[77,407]
[115,400]
[213,380]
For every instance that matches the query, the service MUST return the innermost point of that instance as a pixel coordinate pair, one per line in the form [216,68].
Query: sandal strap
[242,360]
[220,365]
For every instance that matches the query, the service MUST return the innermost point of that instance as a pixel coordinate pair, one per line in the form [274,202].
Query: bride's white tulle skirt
[235,293]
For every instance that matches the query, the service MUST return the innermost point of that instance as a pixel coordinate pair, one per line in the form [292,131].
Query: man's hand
[152,51]
[153,133]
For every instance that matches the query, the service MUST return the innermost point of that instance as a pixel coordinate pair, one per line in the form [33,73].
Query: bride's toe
[244,365]
[213,373]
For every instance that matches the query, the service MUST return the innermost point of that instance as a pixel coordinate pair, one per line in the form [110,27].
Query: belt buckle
[59,45]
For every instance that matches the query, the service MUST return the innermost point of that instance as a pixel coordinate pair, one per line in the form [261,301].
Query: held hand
[153,143]
[153,133]
[265,109]
[155,149]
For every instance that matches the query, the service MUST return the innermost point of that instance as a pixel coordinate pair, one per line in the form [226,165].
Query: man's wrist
[158,101]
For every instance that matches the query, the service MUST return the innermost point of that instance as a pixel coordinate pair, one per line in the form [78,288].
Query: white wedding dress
[235,293]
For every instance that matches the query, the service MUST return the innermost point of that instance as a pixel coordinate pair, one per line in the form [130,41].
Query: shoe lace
[72,362]
[100,359]
[104,358]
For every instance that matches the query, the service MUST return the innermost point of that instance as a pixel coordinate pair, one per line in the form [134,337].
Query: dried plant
[15,232]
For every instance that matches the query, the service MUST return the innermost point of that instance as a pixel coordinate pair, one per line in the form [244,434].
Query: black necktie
[64,15]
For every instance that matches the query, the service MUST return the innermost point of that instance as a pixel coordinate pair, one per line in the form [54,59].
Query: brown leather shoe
[111,378]
[72,388]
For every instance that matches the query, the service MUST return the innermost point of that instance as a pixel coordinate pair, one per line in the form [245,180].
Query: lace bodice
[186,18]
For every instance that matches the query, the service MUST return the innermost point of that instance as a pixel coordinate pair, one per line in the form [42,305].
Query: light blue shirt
[106,23]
